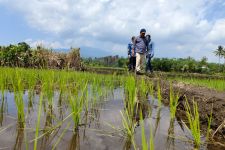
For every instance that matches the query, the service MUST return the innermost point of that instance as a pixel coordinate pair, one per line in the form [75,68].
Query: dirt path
[207,100]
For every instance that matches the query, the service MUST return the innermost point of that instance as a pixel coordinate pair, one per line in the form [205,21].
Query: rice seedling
[146,145]
[159,96]
[76,104]
[130,91]
[48,87]
[171,134]
[129,126]
[60,137]
[194,123]
[173,102]
[209,125]
[151,88]
[2,111]
[31,81]
[143,87]
[2,84]
[18,94]
[38,121]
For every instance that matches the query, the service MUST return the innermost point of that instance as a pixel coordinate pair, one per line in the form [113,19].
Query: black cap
[143,30]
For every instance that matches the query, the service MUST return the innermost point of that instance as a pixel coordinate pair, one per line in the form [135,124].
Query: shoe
[139,73]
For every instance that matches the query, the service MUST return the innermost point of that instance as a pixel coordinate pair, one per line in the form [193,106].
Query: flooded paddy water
[101,128]
[87,111]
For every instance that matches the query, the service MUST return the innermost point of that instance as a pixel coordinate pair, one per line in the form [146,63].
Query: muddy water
[100,128]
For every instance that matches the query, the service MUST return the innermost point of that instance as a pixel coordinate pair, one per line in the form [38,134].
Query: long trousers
[132,63]
[140,59]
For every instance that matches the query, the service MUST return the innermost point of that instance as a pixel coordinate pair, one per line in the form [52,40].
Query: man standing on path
[140,46]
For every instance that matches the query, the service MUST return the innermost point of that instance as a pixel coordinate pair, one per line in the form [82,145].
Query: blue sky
[179,28]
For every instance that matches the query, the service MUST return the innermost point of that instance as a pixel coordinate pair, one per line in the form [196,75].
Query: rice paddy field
[52,109]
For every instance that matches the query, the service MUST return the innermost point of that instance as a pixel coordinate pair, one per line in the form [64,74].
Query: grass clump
[18,97]
[146,145]
[194,122]
[159,96]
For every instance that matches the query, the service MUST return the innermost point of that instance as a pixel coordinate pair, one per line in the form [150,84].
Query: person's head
[142,32]
[133,38]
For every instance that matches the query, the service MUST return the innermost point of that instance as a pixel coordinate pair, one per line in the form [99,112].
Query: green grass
[216,84]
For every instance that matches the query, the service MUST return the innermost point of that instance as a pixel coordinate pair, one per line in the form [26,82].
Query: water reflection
[157,122]
[19,139]
[171,135]
[75,141]
[99,111]
[2,111]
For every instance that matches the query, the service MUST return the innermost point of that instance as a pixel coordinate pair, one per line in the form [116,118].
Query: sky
[179,28]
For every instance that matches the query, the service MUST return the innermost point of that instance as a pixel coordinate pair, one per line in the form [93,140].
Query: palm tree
[219,52]
[223,55]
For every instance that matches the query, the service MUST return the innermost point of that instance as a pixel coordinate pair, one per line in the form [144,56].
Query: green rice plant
[129,126]
[173,102]
[130,92]
[159,96]
[31,82]
[145,144]
[62,85]
[18,97]
[2,109]
[194,123]
[76,109]
[76,105]
[2,84]
[151,88]
[48,87]
[209,125]
[143,87]
[60,137]
[38,121]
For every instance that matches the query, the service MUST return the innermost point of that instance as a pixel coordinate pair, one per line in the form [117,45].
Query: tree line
[22,55]
[188,64]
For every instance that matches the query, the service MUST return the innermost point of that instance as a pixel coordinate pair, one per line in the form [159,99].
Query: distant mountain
[93,52]
[87,52]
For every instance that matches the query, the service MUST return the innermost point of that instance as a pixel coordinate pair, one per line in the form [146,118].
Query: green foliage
[217,84]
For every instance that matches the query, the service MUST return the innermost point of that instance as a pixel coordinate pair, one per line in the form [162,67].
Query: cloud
[217,33]
[177,27]
[47,44]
